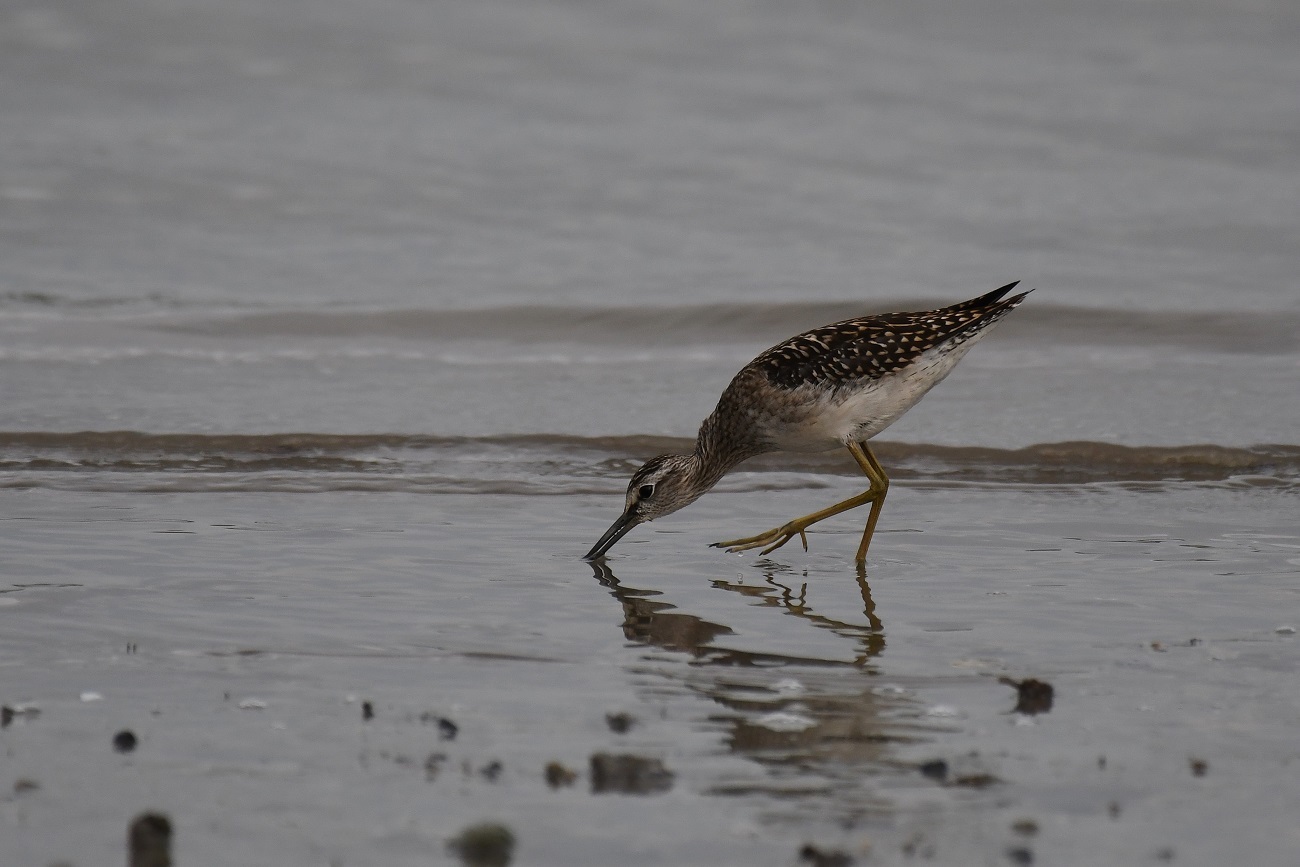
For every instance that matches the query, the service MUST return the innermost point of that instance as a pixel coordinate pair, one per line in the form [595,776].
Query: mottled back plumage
[872,347]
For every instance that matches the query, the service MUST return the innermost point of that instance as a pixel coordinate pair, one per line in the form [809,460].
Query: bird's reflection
[659,624]
[647,621]
[783,711]
[871,641]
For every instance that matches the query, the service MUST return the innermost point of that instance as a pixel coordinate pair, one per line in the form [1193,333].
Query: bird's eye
[646,491]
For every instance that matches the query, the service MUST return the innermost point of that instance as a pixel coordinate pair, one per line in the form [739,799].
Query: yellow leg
[875,495]
[880,484]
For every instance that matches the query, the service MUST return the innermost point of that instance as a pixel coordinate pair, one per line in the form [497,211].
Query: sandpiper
[838,385]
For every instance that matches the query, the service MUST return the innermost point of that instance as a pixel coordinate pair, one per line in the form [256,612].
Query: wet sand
[245,638]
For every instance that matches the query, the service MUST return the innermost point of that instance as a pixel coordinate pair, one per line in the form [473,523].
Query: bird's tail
[987,301]
[979,314]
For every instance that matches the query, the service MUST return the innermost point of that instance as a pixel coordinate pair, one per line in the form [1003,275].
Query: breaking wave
[556,464]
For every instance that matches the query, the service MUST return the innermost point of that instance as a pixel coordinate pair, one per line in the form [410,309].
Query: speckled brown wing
[872,347]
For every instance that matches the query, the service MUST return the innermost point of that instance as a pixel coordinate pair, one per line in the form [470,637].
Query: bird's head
[662,486]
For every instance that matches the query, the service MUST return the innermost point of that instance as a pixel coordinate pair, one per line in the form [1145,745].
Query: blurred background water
[580,218]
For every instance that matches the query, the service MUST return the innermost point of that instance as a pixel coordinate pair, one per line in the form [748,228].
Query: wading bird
[838,385]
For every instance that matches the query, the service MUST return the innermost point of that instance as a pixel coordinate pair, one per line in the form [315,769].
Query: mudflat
[348,677]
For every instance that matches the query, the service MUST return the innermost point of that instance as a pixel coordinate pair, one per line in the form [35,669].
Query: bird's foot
[772,538]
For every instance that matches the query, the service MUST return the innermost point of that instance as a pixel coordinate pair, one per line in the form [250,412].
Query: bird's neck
[719,447]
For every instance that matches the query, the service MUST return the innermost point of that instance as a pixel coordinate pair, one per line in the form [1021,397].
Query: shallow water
[791,701]
[329,336]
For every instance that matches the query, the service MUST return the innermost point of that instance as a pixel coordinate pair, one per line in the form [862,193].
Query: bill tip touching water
[837,385]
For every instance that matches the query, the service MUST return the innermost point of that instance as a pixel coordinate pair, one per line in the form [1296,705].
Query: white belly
[844,416]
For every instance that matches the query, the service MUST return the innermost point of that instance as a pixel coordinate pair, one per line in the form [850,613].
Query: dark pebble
[620,723]
[1021,856]
[629,775]
[447,729]
[810,854]
[26,712]
[557,775]
[149,841]
[489,844]
[975,781]
[1033,696]
[1198,766]
[367,711]
[124,741]
[935,769]
[491,771]
[1025,827]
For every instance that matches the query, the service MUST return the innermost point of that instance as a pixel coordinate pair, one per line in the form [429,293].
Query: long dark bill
[613,534]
